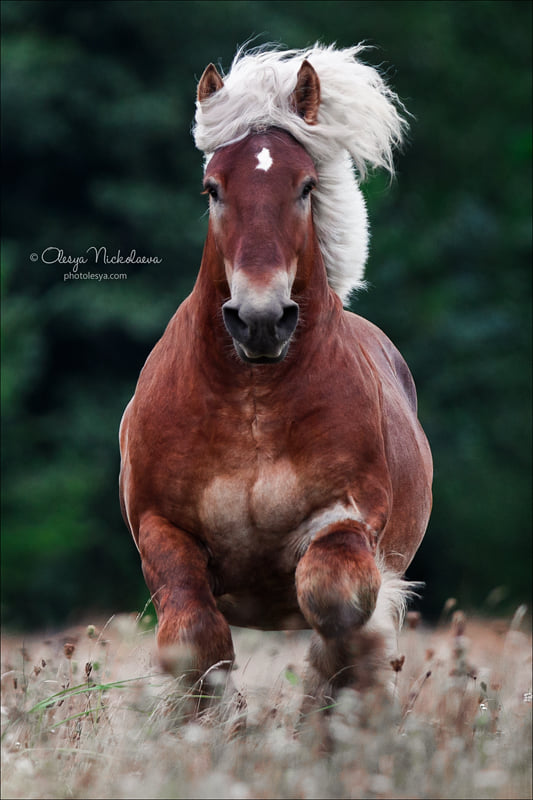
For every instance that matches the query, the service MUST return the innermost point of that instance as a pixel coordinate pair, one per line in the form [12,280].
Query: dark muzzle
[261,336]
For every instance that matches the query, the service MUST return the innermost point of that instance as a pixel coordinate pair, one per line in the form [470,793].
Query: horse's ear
[210,82]
[305,98]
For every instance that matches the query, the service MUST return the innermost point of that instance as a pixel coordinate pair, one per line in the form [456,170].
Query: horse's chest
[250,511]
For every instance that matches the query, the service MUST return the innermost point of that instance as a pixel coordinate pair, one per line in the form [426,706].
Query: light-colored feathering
[358,126]
[393,597]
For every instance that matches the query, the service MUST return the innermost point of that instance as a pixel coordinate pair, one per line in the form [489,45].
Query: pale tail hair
[359,123]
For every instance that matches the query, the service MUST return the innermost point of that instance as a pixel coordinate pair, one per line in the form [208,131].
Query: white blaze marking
[264,159]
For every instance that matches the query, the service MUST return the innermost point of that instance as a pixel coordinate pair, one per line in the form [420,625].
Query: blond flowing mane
[358,126]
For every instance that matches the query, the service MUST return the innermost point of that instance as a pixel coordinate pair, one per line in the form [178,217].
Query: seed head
[397,663]
[69,650]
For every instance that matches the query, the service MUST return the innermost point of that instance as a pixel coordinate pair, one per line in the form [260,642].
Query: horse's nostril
[237,327]
[288,321]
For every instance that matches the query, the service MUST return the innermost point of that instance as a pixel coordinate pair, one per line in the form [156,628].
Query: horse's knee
[337,583]
[194,638]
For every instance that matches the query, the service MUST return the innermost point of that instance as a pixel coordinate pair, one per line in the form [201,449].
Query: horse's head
[260,217]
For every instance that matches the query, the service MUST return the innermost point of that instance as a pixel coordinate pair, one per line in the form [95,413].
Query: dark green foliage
[97,101]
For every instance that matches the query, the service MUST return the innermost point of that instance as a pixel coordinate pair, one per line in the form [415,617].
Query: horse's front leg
[193,637]
[337,583]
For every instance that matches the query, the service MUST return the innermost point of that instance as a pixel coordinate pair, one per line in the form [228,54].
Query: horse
[274,473]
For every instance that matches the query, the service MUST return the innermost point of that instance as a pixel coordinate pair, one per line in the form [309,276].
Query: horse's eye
[308,188]
[211,189]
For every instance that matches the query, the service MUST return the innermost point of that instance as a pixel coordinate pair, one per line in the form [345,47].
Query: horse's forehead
[263,154]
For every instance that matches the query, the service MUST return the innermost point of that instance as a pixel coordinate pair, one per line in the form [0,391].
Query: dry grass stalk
[101,720]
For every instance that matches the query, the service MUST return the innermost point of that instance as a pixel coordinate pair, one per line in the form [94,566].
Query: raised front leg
[192,633]
[337,583]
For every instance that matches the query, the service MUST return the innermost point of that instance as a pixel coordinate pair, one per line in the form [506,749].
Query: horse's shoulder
[383,355]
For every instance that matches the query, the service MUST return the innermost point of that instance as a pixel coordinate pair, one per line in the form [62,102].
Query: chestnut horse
[274,472]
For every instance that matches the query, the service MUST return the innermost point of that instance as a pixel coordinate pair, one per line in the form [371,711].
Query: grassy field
[88,714]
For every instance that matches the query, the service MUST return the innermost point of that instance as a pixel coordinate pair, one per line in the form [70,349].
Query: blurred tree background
[98,101]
